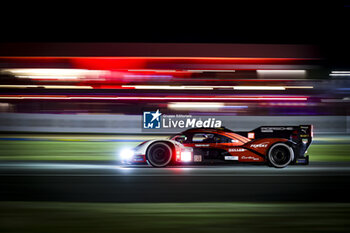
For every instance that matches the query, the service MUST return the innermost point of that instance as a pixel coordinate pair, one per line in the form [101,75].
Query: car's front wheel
[159,154]
[280,155]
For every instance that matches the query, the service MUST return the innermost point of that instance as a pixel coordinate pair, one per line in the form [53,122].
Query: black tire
[280,155]
[159,154]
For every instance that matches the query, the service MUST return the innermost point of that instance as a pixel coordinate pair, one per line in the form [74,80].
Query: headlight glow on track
[126,154]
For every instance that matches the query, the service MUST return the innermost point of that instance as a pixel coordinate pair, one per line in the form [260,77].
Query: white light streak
[40,73]
[299,87]
[280,74]
[259,88]
[46,77]
[19,86]
[340,72]
[281,71]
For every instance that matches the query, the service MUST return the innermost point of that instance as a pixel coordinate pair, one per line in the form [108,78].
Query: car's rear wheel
[159,154]
[280,155]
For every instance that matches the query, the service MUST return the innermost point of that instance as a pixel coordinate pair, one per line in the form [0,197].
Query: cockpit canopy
[208,135]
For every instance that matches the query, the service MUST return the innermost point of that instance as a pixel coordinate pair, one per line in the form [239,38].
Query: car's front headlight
[126,154]
[186,154]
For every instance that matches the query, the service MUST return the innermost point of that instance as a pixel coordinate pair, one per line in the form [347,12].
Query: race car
[277,146]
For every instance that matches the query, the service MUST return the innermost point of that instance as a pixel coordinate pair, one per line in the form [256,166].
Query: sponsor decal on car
[236,150]
[231,157]
[249,157]
[304,132]
[271,129]
[260,145]
[197,158]
[201,145]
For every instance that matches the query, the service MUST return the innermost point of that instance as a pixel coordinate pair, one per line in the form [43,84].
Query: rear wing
[301,133]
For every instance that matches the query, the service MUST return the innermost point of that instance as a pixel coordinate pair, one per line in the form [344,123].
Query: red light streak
[114,63]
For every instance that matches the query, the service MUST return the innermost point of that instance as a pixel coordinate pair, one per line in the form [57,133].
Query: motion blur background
[73,90]
[67,87]
[99,91]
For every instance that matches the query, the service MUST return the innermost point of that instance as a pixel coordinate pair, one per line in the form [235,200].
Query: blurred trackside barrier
[132,124]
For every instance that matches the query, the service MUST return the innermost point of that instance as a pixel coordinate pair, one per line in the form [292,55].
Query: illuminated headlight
[186,156]
[126,154]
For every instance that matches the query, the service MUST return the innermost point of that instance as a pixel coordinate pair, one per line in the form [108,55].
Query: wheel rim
[280,155]
[159,155]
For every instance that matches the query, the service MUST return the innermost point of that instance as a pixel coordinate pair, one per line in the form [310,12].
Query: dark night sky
[323,23]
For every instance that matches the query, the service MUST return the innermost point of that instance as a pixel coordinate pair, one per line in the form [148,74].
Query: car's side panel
[253,151]
[261,146]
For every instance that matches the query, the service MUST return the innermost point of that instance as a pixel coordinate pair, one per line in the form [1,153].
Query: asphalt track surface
[93,182]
